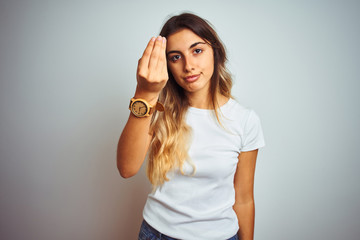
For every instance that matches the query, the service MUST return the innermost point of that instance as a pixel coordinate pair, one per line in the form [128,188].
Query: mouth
[192,78]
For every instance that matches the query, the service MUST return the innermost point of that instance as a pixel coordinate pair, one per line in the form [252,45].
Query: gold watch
[141,108]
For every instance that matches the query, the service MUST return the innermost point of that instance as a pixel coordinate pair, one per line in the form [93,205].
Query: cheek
[175,70]
[208,63]
[210,67]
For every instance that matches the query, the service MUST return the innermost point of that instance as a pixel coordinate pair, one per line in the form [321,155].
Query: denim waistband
[146,229]
[148,232]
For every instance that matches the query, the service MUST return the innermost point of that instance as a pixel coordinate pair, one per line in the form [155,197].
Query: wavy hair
[171,135]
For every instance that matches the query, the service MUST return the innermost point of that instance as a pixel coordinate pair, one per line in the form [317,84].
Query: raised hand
[152,72]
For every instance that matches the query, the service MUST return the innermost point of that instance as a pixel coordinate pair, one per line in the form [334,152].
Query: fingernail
[164,39]
[159,38]
[153,39]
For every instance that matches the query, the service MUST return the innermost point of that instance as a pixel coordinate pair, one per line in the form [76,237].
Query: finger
[144,60]
[156,53]
[163,61]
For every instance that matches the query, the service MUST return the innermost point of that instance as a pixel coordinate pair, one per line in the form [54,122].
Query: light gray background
[67,73]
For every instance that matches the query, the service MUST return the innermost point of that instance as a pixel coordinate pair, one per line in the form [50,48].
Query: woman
[202,147]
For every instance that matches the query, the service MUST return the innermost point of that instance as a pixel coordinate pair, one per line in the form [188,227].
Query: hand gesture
[152,72]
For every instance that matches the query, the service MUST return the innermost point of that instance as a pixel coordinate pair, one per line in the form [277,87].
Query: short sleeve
[253,135]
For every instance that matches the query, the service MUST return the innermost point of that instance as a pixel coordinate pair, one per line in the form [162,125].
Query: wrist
[151,98]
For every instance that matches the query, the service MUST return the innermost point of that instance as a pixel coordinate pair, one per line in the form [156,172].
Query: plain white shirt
[199,207]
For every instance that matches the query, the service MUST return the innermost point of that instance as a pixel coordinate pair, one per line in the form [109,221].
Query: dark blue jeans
[147,232]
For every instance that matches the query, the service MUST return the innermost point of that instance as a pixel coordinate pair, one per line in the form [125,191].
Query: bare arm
[135,138]
[244,195]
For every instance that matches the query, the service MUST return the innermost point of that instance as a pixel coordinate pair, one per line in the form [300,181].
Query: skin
[189,55]
[191,62]
[244,194]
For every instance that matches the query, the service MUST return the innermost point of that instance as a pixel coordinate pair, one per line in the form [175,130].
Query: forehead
[182,40]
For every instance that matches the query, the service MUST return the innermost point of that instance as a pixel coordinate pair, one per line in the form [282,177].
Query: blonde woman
[201,144]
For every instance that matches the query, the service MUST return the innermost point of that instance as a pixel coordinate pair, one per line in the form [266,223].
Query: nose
[188,64]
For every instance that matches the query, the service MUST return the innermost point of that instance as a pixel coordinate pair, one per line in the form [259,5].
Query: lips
[192,78]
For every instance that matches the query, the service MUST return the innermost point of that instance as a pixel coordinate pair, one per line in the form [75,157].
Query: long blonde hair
[171,135]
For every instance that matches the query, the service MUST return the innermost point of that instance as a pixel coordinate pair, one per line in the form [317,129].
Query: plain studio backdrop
[68,70]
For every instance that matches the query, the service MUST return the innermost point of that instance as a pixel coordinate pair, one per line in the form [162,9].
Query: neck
[205,102]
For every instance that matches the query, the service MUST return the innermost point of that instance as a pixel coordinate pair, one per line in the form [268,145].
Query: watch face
[139,108]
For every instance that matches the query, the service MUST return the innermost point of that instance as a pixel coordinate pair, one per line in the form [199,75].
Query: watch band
[150,109]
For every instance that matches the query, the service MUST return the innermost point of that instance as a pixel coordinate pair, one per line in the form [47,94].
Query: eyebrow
[192,45]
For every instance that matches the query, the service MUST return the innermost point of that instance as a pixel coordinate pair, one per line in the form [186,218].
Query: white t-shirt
[199,207]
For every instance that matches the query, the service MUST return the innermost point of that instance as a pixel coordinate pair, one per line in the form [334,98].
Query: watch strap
[159,106]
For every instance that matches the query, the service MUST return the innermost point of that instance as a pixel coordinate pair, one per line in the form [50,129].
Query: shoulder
[248,125]
[245,121]
[234,111]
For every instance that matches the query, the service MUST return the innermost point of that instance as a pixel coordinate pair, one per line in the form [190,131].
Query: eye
[198,50]
[174,58]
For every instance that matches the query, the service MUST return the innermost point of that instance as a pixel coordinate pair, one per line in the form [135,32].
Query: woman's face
[191,61]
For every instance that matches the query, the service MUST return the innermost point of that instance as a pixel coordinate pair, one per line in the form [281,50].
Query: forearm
[133,145]
[246,215]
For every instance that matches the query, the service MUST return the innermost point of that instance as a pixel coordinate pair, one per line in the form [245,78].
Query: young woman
[201,144]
